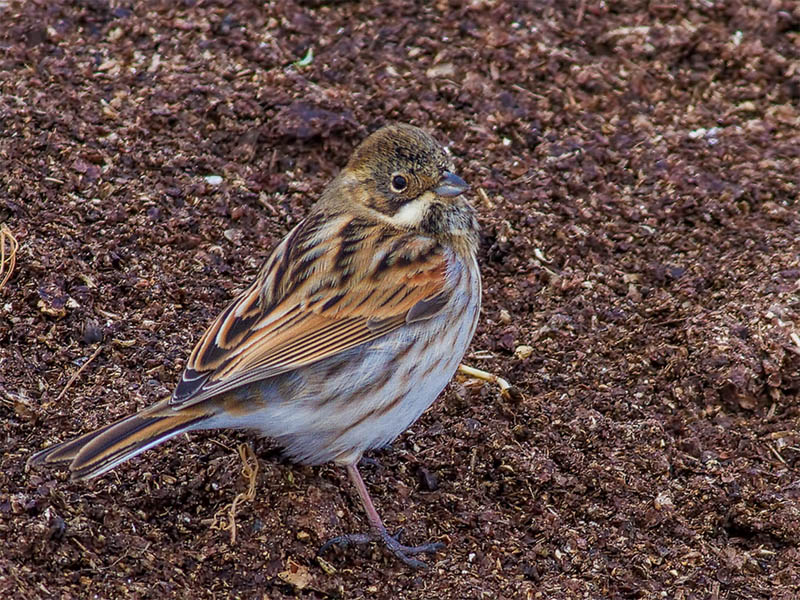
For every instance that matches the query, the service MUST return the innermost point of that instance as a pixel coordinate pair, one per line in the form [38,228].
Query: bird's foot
[392,543]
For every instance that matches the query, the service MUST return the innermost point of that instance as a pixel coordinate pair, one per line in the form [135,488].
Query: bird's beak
[451,185]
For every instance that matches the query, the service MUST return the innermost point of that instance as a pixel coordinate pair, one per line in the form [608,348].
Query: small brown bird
[353,327]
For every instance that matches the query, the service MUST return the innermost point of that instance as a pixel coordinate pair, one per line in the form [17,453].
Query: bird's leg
[379,532]
[507,390]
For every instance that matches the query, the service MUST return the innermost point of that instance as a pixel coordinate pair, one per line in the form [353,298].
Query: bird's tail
[96,452]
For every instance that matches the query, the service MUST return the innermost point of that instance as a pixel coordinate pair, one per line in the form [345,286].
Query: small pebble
[523,351]
[427,480]
[92,332]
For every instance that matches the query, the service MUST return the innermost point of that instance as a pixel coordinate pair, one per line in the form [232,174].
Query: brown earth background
[635,166]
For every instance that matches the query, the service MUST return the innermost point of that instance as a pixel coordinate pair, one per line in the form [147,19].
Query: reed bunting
[354,325]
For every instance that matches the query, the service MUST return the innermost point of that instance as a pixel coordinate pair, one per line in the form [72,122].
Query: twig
[581,11]
[506,389]
[78,372]
[11,259]
[250,472]
[777,454]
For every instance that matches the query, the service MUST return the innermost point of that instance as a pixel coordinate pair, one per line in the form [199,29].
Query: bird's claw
[392,543]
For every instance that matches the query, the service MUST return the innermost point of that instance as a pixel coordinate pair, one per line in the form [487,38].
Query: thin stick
[505,387]
[777,454]
[11,259]
[78,373]
[581,11]
[250,471]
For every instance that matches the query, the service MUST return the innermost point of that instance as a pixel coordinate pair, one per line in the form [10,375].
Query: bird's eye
[399,183]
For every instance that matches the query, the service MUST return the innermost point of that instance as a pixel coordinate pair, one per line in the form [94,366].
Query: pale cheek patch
[412,213]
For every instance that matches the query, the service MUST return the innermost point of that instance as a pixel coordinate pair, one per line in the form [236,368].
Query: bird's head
[404,174]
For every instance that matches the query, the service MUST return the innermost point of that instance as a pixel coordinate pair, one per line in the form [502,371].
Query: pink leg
[379,532]
[366,500]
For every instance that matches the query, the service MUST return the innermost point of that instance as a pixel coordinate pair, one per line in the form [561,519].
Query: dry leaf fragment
[295,575]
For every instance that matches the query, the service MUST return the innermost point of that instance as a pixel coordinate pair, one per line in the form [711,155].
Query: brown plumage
[353,326]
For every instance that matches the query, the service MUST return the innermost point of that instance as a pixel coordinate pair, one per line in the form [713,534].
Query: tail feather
[96,452]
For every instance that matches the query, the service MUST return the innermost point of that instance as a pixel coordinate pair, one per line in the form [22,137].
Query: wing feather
[313,300]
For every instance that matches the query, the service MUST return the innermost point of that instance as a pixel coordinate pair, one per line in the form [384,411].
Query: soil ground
[635,166]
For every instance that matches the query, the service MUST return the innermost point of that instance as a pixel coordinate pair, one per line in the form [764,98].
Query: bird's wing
[332,284]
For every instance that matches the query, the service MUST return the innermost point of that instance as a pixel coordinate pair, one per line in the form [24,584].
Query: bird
[353,326]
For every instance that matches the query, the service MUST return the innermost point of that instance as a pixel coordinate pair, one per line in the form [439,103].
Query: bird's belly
[363,398]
